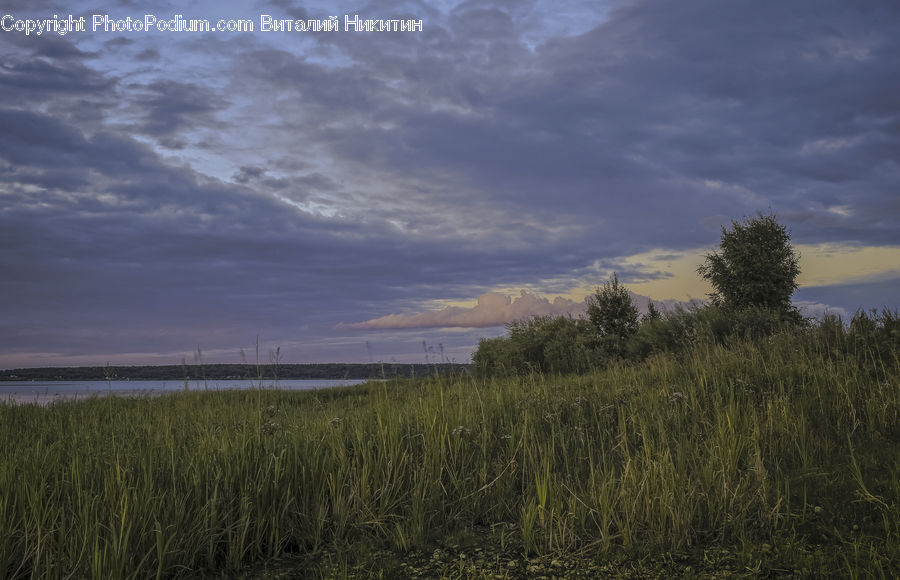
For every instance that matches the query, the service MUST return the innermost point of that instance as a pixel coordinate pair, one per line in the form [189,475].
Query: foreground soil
[478,557]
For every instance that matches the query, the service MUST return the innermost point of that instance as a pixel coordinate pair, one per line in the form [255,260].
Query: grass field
[772,457]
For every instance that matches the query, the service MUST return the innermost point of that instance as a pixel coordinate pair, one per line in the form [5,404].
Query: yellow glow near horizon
[683,283]
[820,265]
[831,264]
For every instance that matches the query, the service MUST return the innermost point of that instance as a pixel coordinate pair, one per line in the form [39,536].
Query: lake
[44,392]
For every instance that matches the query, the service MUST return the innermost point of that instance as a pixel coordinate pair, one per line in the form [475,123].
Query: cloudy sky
[355,196]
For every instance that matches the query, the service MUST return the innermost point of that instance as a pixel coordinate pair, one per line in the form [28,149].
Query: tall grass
[788,441]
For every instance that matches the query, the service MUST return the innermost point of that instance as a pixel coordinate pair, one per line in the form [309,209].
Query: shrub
[541,344]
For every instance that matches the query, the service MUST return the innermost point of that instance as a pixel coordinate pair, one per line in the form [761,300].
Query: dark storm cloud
[248,173]
[158,247]
[30,5]
[291,8]
[298,184]
[54,74]
[150,54]
[480,161]
[36,140]
[170,108]
[44,144]
[26,80]
[118,42]
[318,181]
[693,109]
[50,46]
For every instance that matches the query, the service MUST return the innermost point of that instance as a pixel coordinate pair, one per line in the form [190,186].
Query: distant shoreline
[44,392]
[325,371]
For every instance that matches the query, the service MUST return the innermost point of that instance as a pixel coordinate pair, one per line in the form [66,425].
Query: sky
[357,196]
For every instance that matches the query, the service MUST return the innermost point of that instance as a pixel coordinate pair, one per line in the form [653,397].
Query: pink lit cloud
[492,309]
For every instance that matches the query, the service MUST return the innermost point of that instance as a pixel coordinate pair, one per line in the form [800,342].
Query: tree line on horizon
[267,373]
[753,274]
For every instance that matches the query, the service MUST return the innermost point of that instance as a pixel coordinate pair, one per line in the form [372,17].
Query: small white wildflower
[460,430]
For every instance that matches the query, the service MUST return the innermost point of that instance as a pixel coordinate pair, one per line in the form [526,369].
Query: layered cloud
[491,309]
[159,191]
[495,309]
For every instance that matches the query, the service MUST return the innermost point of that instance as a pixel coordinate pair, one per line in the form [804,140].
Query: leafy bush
[542,344]
[573,345]
[560,345]
[496,357]
[545,344]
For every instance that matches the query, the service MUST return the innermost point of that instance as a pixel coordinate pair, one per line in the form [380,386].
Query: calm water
[43,392]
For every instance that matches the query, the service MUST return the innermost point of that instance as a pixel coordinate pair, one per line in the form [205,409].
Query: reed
[785,450]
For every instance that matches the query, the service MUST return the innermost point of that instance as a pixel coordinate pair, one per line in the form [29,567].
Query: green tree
[613,315]
[653,314]
[756,266]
